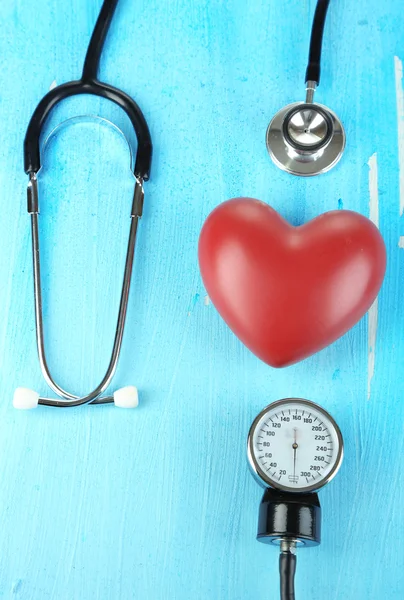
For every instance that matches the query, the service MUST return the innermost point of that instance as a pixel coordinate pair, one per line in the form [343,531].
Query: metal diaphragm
[305,139]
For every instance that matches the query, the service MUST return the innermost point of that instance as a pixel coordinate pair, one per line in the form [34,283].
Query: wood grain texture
[158,503]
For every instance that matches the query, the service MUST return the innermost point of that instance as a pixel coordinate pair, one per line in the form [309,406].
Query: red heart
[288,291]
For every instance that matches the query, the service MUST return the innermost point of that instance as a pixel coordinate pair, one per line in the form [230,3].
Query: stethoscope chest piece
[305,139]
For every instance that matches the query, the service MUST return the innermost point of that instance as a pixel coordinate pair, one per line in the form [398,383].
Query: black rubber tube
[92,60]
[89,84]
[316,41]
[32,160]
[287,570]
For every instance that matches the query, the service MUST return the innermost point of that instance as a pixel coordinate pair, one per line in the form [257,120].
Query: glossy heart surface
[286,291]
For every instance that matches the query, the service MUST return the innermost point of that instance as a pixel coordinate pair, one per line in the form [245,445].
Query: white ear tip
[25,398]
[126,397]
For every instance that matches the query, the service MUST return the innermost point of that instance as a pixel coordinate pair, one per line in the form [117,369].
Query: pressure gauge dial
[294,445]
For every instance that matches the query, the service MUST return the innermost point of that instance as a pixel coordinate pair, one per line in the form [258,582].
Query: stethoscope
[294,448]
[126,397]
[306,138]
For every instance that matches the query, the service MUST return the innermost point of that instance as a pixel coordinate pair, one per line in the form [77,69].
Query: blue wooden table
[158,503]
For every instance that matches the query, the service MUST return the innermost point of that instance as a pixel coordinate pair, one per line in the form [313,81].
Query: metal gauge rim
[263,478]
[309,160]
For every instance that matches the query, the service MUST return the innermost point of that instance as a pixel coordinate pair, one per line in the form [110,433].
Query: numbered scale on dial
[294,445]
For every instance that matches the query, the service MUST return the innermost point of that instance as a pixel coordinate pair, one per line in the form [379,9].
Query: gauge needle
[295,447]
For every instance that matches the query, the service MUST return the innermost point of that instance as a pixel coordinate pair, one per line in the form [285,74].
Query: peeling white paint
[401,241]
[207,301]
[398,70]
[373,190]
[372,315]
[53,85]
[372,332]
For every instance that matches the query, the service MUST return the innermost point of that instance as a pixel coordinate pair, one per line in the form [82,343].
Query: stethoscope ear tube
[127,397]
[32,159]
[88,84]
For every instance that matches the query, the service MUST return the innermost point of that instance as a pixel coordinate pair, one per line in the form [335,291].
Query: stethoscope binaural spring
[87,84]
[306,138]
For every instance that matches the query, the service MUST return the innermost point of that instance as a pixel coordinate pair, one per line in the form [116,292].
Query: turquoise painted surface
[157,503]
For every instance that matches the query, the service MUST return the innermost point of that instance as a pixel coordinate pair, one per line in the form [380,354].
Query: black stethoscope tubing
[313,69]
[90,84]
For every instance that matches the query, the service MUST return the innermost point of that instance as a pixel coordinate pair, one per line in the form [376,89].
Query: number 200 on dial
[294,445]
